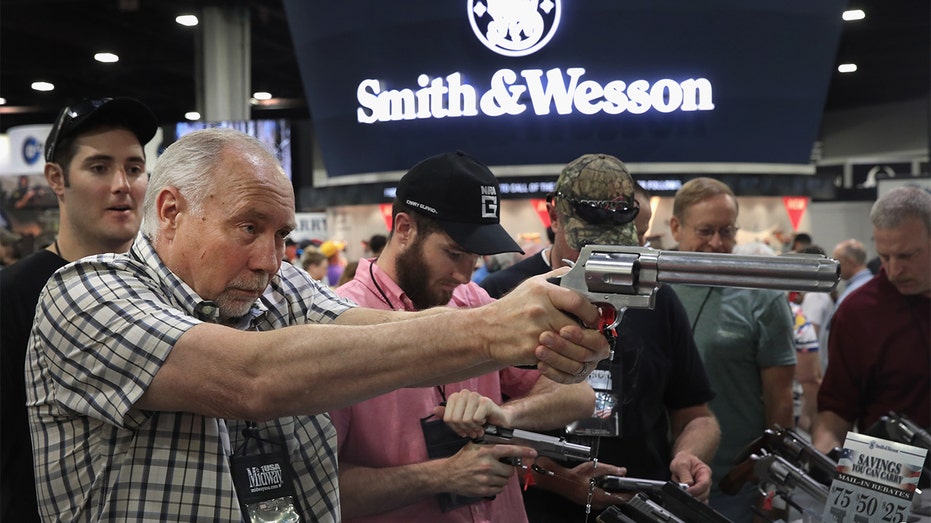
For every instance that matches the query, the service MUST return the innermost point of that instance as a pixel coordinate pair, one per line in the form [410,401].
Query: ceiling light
[187,20]
[262,95]
[43,86]
[107,58]
[192,116]
[847,68]
[2,100]
[854,14]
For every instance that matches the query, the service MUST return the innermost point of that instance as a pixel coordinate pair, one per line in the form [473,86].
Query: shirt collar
[180,293]
[382,285]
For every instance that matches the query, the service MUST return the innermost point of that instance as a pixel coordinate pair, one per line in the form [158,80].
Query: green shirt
[738,332]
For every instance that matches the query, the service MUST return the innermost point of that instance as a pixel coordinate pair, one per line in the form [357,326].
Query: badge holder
[606,380]
[264,481]
[443,442]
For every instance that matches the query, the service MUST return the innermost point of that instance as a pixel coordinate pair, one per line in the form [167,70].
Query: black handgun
[642,509]
[897,427]
[670,495]
[613,483]
[545,445]
[682,504]
[904,430]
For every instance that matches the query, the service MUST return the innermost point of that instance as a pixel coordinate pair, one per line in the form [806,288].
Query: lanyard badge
[264,481]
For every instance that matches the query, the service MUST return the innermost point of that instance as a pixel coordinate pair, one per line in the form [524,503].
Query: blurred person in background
[95,165]
[333,250]
[851,255]
[349,272]
[642,221]
[10,251]
[879,357]
[744,336]
[817,306]
[808,363]
[374,245]
[315,263]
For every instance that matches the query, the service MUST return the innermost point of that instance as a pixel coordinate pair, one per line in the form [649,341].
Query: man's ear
[169,205]
[554,216]
[405,228]
[55,177]
[674,228]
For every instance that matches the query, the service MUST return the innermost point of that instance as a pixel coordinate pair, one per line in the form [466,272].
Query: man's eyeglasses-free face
[602,212]
[707,232]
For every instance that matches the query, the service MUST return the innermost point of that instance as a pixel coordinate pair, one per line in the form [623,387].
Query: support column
[224,64]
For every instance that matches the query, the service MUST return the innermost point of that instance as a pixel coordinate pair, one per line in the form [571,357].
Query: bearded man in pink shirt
[398,460]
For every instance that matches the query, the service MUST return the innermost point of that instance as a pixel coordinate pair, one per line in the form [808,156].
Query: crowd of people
[282,381]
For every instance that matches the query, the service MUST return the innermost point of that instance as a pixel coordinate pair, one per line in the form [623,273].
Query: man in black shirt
[656,381]
[96,167]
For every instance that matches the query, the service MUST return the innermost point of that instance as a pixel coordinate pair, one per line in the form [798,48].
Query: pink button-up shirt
[385,431]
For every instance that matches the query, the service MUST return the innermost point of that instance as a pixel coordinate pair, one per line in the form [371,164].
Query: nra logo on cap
[489,201]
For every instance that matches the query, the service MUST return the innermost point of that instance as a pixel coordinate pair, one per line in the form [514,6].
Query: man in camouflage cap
[595,196]
[657,381]
[593,203]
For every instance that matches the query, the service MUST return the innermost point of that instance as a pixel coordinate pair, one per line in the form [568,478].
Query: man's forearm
[550,405]
[308,369]
[829,431]
[365,491]
[312,368]
[777,395]
[700,437]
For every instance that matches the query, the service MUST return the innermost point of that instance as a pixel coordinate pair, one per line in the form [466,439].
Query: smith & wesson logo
[514,27]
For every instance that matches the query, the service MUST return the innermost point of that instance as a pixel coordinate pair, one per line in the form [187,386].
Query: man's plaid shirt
[104,326]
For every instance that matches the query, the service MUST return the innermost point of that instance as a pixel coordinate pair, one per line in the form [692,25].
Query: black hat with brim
[88,114]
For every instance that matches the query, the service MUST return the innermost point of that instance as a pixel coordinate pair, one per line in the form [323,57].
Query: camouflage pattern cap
[594,178]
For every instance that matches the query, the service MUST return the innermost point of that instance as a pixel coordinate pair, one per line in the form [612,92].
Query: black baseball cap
[462,195]
[86,114]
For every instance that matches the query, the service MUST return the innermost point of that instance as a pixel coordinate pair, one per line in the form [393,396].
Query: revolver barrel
[605,271]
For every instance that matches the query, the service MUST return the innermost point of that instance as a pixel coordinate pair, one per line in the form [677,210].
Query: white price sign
[875,483]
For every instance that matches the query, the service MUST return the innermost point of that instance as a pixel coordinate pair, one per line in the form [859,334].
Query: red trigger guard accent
[609,318]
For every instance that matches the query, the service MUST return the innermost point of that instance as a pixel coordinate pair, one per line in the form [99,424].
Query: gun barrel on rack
[628,276]
[788,444]
[902,429]
[785,477]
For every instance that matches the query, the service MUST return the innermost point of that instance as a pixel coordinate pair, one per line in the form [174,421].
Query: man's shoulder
[500,282]
[470,295]
[360,291]
[873,292]
[33,269]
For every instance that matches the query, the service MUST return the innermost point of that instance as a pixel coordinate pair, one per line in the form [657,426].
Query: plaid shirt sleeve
[104,327]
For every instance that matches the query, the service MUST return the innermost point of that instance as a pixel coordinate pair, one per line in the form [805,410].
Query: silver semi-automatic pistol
[545,445]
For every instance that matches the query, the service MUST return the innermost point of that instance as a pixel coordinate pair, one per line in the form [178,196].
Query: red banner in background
[539,205]
[385,209]
[795,206]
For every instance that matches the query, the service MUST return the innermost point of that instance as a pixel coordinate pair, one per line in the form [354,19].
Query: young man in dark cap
[446,214]
[656,381]
[95,165]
